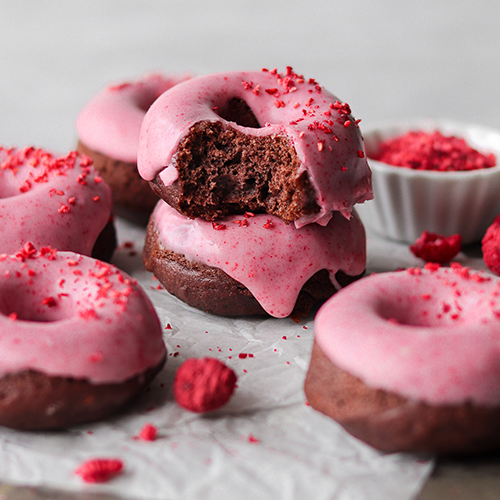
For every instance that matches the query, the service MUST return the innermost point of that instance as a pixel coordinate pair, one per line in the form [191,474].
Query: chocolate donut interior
[222,170]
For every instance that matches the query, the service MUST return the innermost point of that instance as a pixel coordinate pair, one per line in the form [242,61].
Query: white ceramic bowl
[407,202]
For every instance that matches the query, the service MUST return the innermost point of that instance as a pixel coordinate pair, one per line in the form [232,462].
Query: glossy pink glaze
[431,336]
[272,259]
[325,136]
[51,200]
[111,121]
[72,316]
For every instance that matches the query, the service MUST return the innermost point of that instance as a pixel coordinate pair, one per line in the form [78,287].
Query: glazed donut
[254,141]
[54,200]
[109,127]
[254,263]
[79,339]
[409,361]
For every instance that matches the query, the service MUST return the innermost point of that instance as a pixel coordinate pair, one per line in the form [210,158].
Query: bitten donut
[253,263]
[257,141]
[410,360]
[109,127]
[54,200]
[79,339]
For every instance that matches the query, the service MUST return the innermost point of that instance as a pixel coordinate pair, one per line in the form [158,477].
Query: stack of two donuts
[258,174]
[79,338]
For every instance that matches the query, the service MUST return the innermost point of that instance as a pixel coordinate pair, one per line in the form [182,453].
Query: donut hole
[420,311]
[144,99]
[239,112]
[27,305]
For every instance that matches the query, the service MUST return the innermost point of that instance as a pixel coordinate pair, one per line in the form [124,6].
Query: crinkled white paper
[265,444]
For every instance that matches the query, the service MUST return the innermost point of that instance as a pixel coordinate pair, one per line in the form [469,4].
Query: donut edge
[34,401]
[393,423]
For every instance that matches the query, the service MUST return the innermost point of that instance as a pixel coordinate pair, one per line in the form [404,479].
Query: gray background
[389,59]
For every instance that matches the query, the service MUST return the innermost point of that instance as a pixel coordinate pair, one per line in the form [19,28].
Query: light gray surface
[389,59]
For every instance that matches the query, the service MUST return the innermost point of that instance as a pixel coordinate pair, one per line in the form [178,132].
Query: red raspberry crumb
[148,433]
[99,470]
[433,247]
[252,439]
[203,384]
[491,246]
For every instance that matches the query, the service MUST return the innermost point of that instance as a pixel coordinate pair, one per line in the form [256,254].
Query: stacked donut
[258,174]
[79,338]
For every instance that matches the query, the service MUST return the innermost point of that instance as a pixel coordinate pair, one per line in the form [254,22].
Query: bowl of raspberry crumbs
[432,175]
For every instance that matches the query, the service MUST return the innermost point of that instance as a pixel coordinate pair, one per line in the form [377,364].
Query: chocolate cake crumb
[222,171]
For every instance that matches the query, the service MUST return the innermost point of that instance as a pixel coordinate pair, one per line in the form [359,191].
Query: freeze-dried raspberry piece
[148,433]
[491,246]
[203,384]
[99,470]
[433,247]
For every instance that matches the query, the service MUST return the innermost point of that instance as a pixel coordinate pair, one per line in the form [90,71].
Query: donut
[54,200]
[409,361]
[109,126]
[79,339]
[252,264]
[256,141]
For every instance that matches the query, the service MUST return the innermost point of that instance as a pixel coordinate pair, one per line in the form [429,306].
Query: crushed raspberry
[252,439]
[203,384]
[99,470]
[49,302]
[491,246]
[433,151]
[148,433]
[433,247]
[27,252]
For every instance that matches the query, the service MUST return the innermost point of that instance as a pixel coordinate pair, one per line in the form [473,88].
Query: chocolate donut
[409,361]
[253,264]
[109,128]
[54,200]
[80,339]
[257,141]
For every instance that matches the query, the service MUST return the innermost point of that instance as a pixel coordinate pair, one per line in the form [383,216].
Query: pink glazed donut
[254,263]
[79,339]
[109,127]
[257,141]
[410,360]
[54,200]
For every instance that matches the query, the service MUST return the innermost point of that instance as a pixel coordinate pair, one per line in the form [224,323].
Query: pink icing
[272,259]
[326,138]
[429,335]
[50,200]
[111,121]
[68,315]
